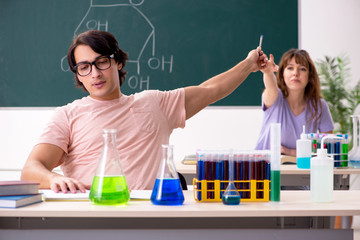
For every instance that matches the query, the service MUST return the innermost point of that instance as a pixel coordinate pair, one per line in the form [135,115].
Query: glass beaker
[167,189]
[109,185]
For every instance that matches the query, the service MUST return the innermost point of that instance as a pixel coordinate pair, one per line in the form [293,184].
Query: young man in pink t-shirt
[72,138]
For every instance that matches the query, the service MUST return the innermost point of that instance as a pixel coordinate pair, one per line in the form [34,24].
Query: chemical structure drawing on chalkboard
[133,30]
[171,44]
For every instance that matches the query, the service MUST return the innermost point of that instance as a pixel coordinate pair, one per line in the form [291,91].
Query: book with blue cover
[19,200]
[18,187]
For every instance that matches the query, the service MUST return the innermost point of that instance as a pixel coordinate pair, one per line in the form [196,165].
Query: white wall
[331,27]
[218,128]
[212,128]
[19,128]
[326,27]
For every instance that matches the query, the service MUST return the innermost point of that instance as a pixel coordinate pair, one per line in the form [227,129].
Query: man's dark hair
[100,42]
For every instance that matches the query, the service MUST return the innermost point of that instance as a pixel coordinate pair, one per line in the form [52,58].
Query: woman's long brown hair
[312,89]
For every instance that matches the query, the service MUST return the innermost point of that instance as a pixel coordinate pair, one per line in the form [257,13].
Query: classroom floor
[356,227]
[355,185]
[357,234]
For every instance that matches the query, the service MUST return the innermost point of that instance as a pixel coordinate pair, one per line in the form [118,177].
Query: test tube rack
[253,194]
[336,148]
[251,175]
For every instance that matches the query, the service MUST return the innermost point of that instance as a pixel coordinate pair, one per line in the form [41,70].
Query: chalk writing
[129,25]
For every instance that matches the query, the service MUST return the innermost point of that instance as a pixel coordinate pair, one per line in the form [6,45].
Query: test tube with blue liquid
[337,151]
[210,173]
[219,158]
[261,174]
[200,156]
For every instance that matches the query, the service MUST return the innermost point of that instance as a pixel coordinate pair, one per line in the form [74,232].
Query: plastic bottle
[322,175]
[303,151]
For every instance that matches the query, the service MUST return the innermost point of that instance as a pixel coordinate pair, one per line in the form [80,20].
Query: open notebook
[50,195]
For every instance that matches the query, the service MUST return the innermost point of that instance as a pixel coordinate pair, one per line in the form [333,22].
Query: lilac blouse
[291,125]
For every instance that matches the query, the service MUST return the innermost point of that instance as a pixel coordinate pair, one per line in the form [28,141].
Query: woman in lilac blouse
[292,97]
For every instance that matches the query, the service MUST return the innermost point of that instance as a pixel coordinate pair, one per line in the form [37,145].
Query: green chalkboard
[171,43]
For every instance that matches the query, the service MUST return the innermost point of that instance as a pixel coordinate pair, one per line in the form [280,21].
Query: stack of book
[18,193]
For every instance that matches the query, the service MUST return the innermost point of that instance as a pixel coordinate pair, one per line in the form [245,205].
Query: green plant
[334,76]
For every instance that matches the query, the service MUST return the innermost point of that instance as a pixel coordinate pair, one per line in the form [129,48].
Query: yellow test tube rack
[253,193]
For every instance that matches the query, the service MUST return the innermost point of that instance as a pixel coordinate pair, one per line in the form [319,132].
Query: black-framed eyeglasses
[101,63]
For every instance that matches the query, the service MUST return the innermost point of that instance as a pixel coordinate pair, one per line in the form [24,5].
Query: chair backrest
[182,182]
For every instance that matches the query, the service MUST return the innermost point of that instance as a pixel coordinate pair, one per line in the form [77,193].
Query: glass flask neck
[167,167]
[109,138]
[109,162]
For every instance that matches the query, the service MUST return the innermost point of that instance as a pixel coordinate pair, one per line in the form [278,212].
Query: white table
[193,220]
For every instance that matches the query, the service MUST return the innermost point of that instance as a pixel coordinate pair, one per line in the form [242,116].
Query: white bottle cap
[321,152]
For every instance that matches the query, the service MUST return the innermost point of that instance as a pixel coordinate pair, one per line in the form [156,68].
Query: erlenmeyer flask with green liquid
[109,185]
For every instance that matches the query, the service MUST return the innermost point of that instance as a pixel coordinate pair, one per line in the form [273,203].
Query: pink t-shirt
[144,121]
